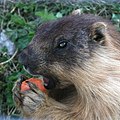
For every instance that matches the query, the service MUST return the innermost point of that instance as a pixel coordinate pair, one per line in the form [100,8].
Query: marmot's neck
[99,94]
[102,101]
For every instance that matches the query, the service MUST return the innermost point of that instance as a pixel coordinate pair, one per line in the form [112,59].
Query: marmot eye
[62,44]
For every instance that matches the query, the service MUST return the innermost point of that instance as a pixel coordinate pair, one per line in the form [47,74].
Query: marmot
[79,55]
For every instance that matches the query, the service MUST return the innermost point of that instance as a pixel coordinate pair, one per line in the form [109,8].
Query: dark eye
[62,44]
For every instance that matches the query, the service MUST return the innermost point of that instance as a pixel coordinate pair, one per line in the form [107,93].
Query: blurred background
[19,20]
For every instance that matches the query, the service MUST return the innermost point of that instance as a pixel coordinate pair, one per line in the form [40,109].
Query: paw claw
[23,78]
[33,87]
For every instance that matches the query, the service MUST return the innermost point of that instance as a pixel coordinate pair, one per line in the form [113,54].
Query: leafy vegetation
[20,21]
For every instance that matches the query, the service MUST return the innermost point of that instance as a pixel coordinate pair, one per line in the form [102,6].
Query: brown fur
[87,77]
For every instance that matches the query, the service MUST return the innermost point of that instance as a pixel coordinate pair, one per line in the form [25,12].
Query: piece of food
[36,81]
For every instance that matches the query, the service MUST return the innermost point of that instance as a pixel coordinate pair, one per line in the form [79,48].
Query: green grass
[20,22]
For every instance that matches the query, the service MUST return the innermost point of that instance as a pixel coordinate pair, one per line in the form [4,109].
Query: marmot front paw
[30,99]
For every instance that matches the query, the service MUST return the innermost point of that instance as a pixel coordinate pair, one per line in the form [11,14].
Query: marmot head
[61,45]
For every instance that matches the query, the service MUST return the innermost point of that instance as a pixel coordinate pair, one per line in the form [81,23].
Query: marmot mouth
[49,83]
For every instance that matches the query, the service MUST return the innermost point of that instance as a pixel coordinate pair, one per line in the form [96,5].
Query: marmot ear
[98,32]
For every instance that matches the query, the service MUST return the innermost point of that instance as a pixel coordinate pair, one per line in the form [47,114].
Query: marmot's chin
[29,71]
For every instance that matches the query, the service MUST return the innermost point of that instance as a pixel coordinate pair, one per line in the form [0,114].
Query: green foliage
[20,22]
[116,20]
[45,15]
